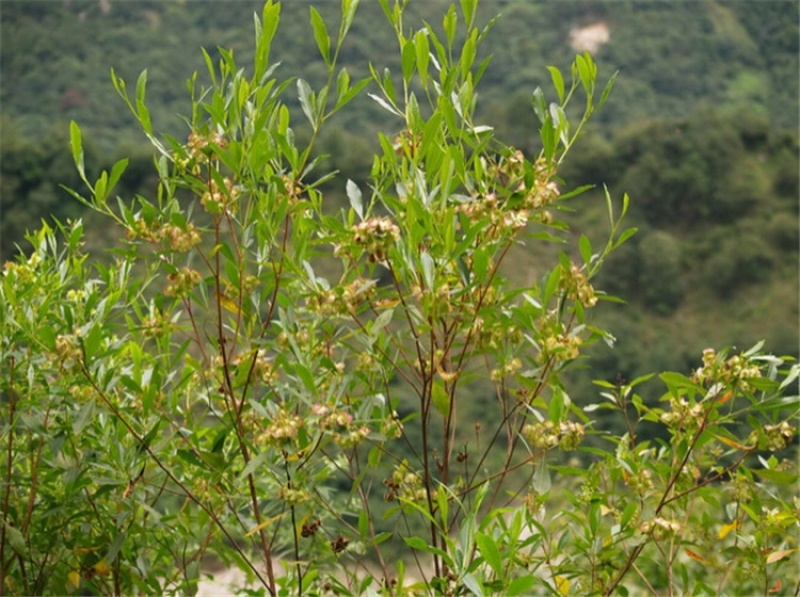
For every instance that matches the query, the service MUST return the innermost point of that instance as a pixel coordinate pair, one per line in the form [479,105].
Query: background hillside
[701,131]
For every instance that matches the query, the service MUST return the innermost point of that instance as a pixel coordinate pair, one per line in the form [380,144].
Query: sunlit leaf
[777,556]
[727,528]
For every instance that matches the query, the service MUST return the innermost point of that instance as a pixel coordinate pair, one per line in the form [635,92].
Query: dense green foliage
[701,133]
[305,374]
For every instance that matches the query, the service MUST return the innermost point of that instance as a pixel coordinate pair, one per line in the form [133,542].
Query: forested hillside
[701,131]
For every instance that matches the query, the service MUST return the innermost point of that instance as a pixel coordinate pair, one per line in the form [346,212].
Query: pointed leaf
[441,399]
[321,35]
[408,59]
[307,101]
[490,552]
[558,82]
[776,556]
[354,195]
[541,479]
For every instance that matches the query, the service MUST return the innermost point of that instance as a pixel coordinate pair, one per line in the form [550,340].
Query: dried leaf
[696,556]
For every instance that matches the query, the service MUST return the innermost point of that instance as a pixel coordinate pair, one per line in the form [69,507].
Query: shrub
[236,381]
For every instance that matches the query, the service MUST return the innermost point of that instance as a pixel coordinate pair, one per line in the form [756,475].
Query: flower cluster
[68,350]
[555,342]
[641,482]
[772,437]
[218,200]
[282,429]
[375,236]
[566,435]
[682,414]
[530,186]
[261,364]
[660,528]
[342,300]
[178,238]
[22,272]
[543,191]
[182,282]
[392,426]
[340,425]
[576,286]
[203,145]
[734,370]
[509,368]
[82,393]
[404,484]
[501,221]
[199,148]
[293,497]
[157,326]
[437,301]
[247,284]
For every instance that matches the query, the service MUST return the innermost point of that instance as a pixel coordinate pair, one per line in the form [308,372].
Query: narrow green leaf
[212,72]
[560,122]
[420,544]
[468,7]
[556,406]
[83,417]
[428,269]
[441,399]
[587,71]
[548,135]
[363,523]
[307,101]
[76,145]
[541,479]
[607,89]
[306,377]
[348,13]
[777,477]
[388,86]
[558,82]
[468,53]
[676,382]
[473,584]
[539,104]
[270,18]
[423,52]
[416,543]
[586,249]
[521,586]
[142,112]
[386,105]
[354,195]
[488,548]
[16,540]
[449,23]
[116,172]
[189,456]
[252,465]
[382,320]
[622,238]
[321,35]
[342,84]
[101,187]
[116,545]
[408,59]
[553,278]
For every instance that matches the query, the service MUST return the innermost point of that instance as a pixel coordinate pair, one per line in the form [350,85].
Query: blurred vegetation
[701,131]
